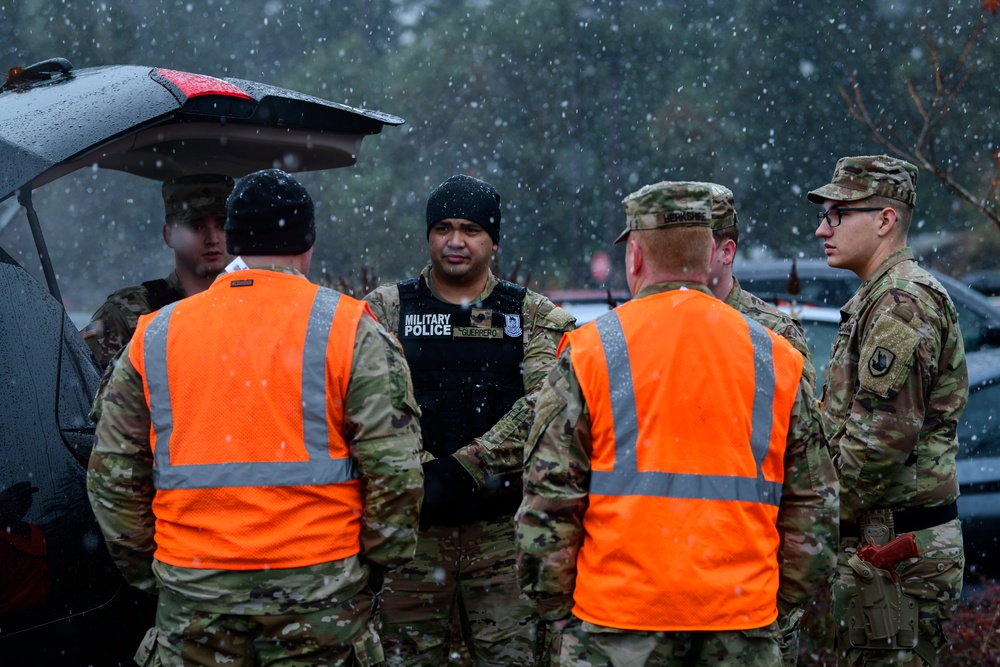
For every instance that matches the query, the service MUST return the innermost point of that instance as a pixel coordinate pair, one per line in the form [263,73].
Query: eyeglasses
[825,215]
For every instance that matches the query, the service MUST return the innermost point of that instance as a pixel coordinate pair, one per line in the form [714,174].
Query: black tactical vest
[465,361]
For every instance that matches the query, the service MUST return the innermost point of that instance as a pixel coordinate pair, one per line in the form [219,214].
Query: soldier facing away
[478,349]
[668,467]
[816,529]
[896,387]
[286,442]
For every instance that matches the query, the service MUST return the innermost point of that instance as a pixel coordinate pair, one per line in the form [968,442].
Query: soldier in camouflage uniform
[667,223]
[236,605]
[725,286]
[478,349]
[194,216]
[896,387]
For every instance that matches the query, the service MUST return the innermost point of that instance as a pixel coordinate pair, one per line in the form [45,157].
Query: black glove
[447,488]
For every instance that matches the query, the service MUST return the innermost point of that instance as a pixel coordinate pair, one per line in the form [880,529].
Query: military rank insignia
[481,317]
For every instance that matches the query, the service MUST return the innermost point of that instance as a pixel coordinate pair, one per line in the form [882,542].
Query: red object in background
[600,267]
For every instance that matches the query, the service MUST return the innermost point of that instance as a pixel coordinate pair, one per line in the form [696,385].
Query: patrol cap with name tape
[198,196]
[723,207]
[864,176]
[668,204]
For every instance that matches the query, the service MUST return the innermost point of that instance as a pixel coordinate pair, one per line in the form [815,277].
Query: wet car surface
[62,600]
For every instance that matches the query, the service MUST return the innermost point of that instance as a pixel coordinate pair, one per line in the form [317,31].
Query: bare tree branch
[932,111]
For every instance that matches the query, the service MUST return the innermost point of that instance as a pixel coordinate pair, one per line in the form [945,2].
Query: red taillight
[197,85]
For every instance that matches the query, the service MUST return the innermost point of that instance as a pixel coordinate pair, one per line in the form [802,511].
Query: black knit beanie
[269,213]
[467,198]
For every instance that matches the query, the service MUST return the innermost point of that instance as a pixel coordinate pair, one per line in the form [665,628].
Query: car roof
[984,367]
[162,123]
[808,312]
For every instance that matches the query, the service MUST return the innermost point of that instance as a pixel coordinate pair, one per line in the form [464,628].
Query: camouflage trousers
[466,571]
[934,580]
[343,635]
[582,644]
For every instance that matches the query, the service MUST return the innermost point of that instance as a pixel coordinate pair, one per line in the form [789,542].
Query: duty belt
[907,519]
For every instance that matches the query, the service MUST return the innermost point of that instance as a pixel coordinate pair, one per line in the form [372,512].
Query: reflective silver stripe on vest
[319,469]
[627,480]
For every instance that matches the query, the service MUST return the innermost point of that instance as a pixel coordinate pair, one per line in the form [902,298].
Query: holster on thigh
[879,615]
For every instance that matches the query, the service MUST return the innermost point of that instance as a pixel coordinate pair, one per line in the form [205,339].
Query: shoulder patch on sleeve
[95,328]
[559,319]
[548,315]
[886,355]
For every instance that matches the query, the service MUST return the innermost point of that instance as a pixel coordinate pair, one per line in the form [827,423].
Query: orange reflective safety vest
[246,385]
[689,407]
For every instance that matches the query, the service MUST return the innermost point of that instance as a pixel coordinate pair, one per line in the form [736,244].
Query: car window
[972,325]
[820,337]
[979,429]
[816,291]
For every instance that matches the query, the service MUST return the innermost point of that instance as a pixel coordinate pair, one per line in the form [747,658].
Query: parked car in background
[62,600]
[979,464]
[979,428]
[986,283]
[588,304]
[819,284]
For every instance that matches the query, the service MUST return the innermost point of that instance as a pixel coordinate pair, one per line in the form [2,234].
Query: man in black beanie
[478,349]
[286,444]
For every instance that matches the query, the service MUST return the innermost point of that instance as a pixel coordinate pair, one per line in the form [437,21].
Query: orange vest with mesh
[246,384]
[689,406]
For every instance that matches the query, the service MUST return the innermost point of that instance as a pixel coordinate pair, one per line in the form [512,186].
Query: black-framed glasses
[825,215]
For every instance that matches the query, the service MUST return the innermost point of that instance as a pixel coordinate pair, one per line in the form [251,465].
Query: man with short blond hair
[668,466]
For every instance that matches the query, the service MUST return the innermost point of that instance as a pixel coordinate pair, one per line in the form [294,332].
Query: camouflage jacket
[896,387]
[501,449]
[383,434]
[115,321]
[780,323]
[557,479]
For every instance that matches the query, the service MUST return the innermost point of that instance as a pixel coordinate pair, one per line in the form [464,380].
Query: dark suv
[62,600]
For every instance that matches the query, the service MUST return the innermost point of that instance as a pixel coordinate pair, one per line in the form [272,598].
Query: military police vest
[465,361]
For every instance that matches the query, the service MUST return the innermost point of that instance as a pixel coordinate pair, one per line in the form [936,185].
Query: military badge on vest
[513,326]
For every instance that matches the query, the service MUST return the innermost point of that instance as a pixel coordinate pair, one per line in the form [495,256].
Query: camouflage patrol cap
[668,204]
[723,207]
[855,178]
[198,196]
